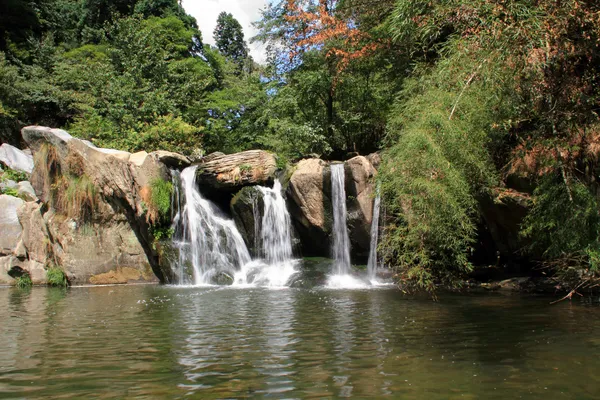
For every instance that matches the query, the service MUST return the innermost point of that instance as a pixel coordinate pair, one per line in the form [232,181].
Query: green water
[166,342]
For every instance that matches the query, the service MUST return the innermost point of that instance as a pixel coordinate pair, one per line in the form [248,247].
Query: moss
[245,168]
[56,277]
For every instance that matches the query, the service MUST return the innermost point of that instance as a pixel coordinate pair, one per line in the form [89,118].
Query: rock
[116,237]
[247,208]
[10,228]
[374,159]
[15,159]
[26,191]
[360,190]
[310,207]
[8,184]
[106,252]
[168,256]
[121,275]
[35,236]
[309,192]
[211,156]
[172,160]
[138,158]
[233,171]
[503,213]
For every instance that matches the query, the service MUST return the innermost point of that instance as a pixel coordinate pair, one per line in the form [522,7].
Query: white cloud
[245,11]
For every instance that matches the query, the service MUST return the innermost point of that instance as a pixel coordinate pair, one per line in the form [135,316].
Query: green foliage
[10,192]
[56,277]
[161,196]
[162,232]
[17,176]
[229,39]
[564,221]
[24,281]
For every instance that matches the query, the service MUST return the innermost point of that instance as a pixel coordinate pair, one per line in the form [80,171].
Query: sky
[245,11]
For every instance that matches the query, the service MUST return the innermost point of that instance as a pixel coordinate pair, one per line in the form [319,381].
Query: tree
[229,38]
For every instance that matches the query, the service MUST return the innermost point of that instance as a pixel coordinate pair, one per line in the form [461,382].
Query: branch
[463,90]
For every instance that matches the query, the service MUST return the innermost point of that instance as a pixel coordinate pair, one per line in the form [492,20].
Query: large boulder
[309,190]
[15,159]
[231,172]
[503,213]
[114,244]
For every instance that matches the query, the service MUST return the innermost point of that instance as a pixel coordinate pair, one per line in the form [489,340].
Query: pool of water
[208,343]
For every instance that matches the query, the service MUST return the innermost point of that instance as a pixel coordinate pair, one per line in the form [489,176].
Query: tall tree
[229,38]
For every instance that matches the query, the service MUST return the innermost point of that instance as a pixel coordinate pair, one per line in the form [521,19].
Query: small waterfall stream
[210,244]
[372,263]
[341,240]
[208,241]
[276,233]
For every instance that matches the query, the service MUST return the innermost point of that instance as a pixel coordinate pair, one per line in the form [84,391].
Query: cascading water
[210,245]
[207,241]
[341,277]
[341,240]
[372,263]
[275,235]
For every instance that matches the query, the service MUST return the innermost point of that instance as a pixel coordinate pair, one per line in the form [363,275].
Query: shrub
[24,281]
[10,192]
[56,277]
[563,227]
[17,176]
[158,201]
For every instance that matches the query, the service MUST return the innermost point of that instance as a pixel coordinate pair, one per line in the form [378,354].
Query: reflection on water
[209,343]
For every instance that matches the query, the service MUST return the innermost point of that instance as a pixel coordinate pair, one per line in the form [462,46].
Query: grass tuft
[56,277]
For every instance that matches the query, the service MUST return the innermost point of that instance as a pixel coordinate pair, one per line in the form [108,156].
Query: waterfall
[341,241]
[207,241]
[276,232]
[372,263]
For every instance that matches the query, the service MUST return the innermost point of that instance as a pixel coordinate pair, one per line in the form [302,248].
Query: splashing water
[210,245]
[275,233]
[206,240]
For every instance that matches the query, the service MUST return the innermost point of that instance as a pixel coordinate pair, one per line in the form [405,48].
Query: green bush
[56,277]
[17,176]
[161,196]
[24,281]
[10,192]
[563,227]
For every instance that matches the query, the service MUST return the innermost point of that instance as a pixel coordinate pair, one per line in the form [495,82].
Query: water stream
[341,277]
[212,250]
[207,240]
[372,263]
